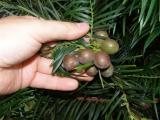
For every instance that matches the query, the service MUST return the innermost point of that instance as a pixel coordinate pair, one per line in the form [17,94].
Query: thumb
[49,30]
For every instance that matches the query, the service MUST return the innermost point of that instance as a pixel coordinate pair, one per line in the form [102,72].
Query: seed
[102,60]
[110,46]
[108,72]
[70,62]
[92,71]
[86,56]
[101,33]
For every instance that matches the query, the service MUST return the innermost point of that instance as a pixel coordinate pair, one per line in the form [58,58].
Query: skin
[20,65]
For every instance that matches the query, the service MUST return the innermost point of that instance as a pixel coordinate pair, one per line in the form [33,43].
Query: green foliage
[130,94]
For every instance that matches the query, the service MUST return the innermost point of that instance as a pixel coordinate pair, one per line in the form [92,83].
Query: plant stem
[91,22]
[101,79]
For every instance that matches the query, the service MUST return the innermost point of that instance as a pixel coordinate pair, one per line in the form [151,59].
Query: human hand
[20,65]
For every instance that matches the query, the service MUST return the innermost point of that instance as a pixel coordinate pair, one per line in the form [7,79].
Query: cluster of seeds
[98,60]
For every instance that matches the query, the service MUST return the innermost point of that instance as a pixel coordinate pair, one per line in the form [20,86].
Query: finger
[48,30]
[44,65]
[82,77]
[53,82]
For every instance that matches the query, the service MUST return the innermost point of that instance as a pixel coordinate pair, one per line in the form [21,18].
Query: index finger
[49,30]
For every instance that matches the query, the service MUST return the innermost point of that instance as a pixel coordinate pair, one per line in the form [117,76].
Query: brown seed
[86,56]
[102,60]
[70,62]
[101,33]
[108,72]
[92,71]
[45,48]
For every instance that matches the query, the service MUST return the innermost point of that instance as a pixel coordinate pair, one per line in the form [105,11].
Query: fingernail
[83,25]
